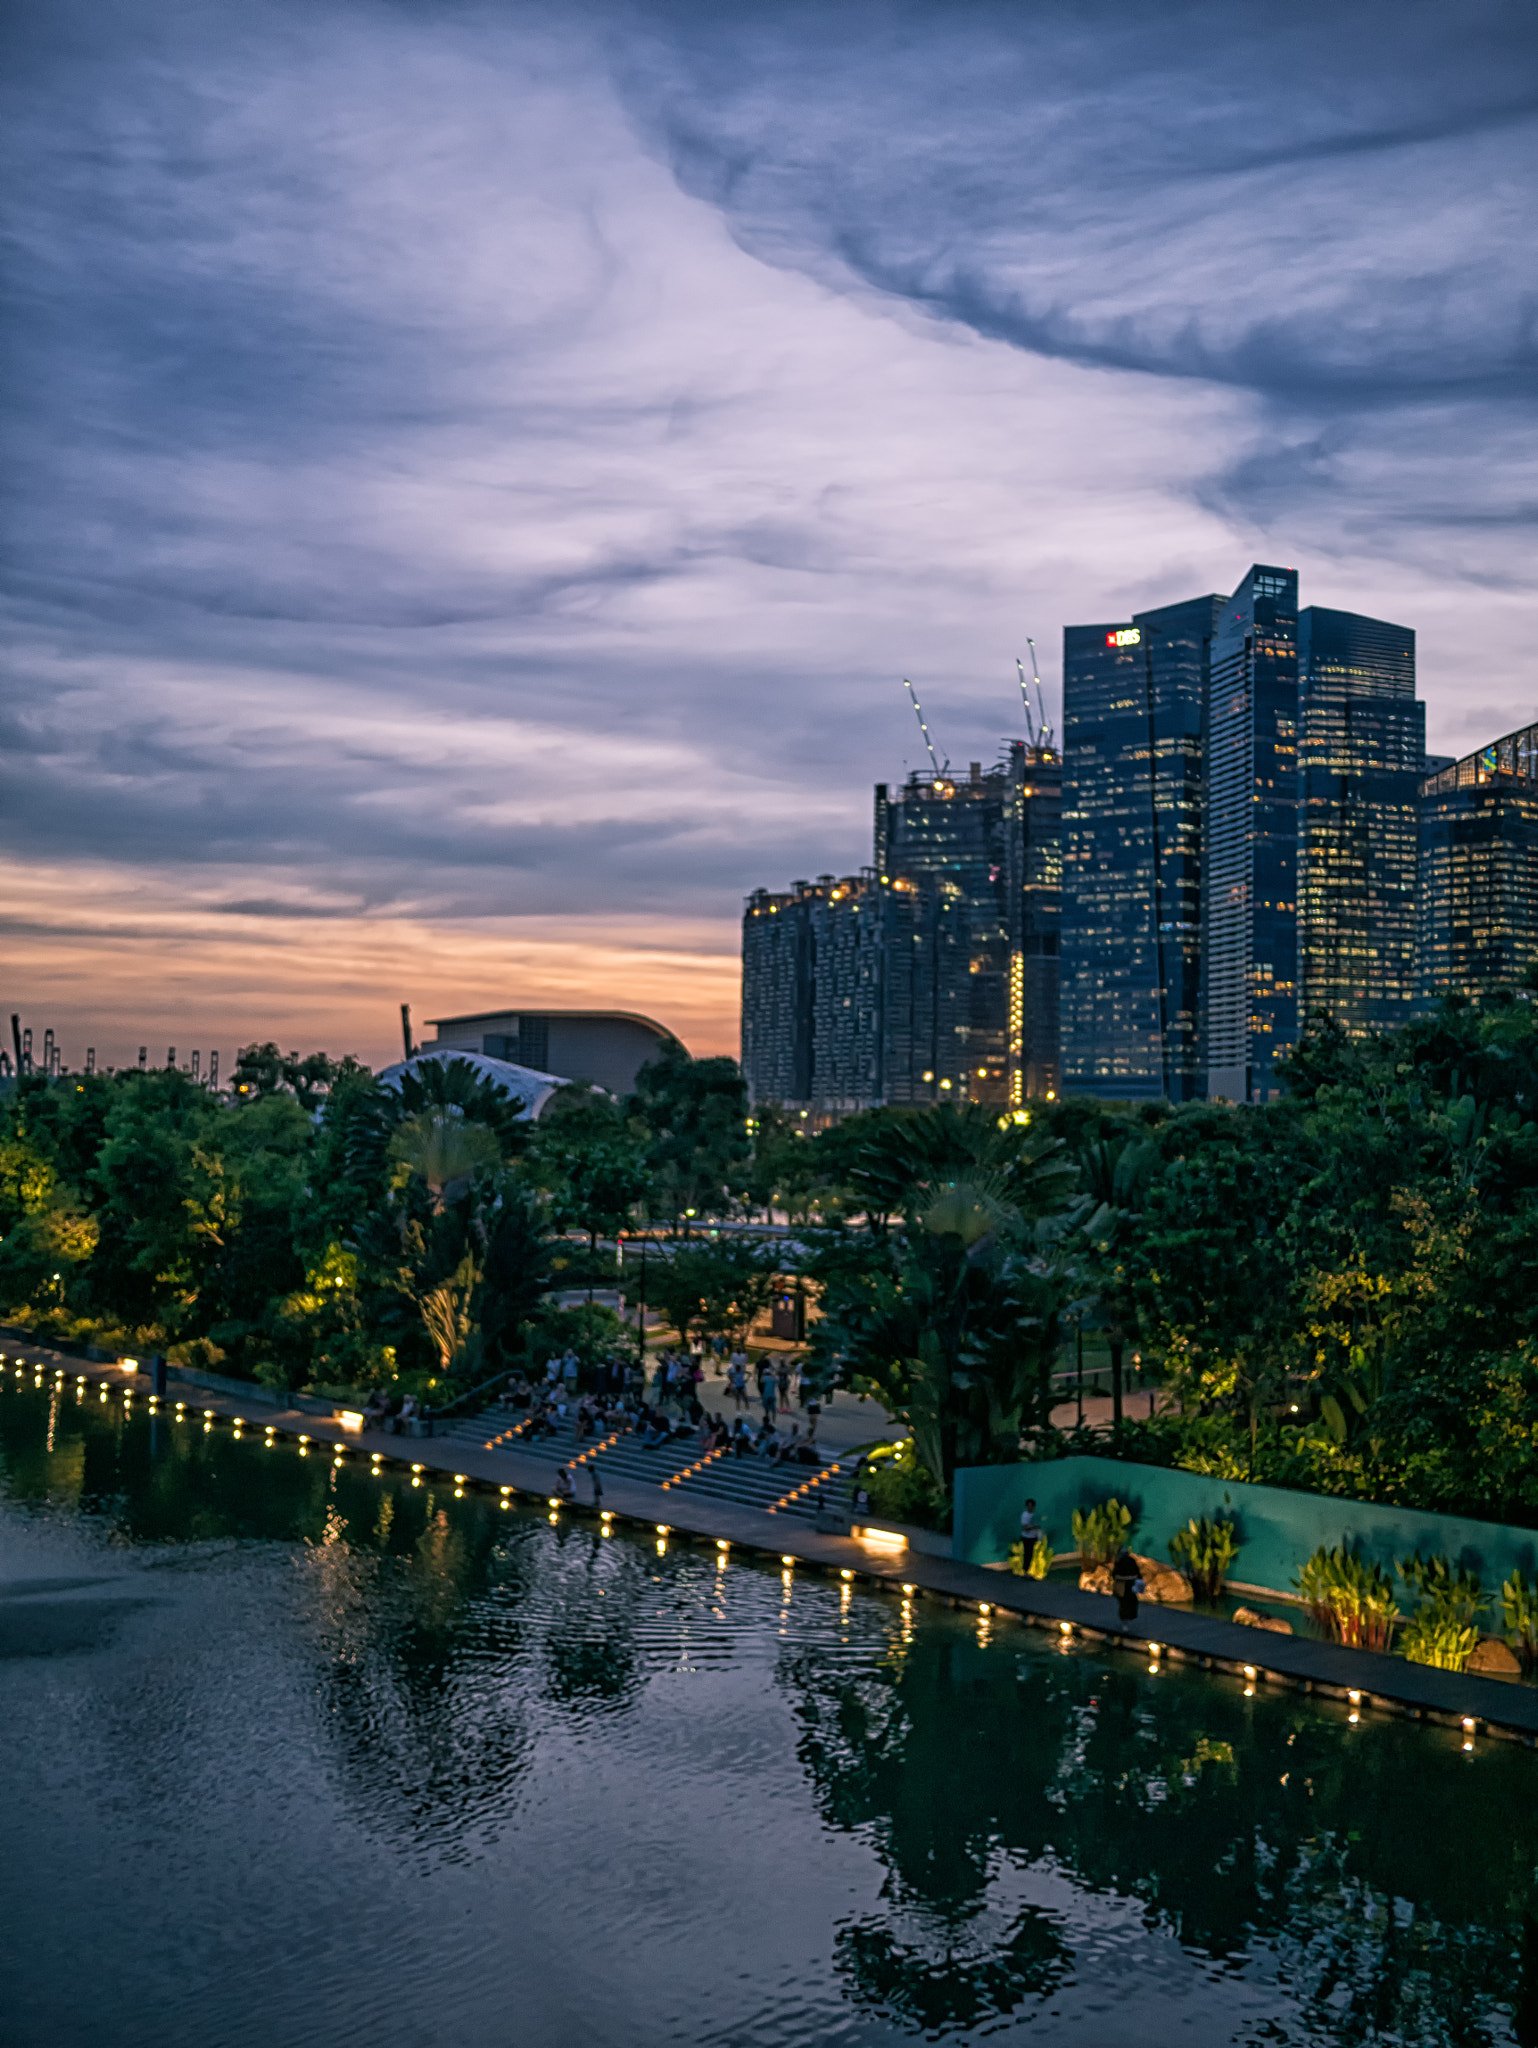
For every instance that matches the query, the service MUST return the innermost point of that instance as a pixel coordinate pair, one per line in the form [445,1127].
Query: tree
[715,1289]
[695,1116]
[953,1325]
[588,1162]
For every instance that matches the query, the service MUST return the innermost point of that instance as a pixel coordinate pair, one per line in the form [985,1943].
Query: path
[1355,1680]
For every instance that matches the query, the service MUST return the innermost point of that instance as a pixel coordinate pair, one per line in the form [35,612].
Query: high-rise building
[1479,871]
[931,977]
[948,837]
[1362,738]
[777,994]
[1036,922]
[980,860]
[849,921]
[1249,966]
[1134,694]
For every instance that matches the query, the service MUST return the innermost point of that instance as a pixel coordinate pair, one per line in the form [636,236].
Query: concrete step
[800,1491]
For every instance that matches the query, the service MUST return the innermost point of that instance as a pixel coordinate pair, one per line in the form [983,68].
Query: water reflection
[776,1808]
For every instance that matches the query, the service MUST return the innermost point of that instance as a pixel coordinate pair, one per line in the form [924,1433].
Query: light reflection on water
[296,1754]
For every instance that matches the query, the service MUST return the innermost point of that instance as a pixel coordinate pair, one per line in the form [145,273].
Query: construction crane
[1037,731]
[923,728]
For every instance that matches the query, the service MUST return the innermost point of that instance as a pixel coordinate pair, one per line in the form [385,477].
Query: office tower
[1035,881]
[975,864]
[1249,969]
[1134,693]
[849,946]
[1479,872]
[778,983]
[1362,740]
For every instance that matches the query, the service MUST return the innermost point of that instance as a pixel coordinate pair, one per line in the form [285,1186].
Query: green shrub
[1444,1630]
[1204,1549]
[1519,1611]
[1100,1532]
[902,1489]
[1435,1638]
[1349,1599]
[1041,1559]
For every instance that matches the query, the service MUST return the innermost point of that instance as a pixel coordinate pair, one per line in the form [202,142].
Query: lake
[293,1754]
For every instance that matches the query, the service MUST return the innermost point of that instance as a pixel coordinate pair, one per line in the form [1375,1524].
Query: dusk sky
[478,475]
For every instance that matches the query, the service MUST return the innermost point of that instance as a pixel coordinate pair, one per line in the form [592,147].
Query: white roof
[526,1084]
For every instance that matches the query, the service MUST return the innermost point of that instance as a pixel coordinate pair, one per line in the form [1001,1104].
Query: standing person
[1126,1584]
[782,1381]
[1030,1535]
[766,1390]
[597,1484]
[571,1366]
[813,1410]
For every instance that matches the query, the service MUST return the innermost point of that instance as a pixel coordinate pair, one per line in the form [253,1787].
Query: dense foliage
[314,1226]
[1334,1291]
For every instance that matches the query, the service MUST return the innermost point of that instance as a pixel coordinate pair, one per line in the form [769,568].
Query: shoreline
[1360,1680]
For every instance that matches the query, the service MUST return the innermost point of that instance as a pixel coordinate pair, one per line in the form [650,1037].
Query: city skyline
[479,486]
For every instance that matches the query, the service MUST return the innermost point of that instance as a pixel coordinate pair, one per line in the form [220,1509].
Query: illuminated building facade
[1249,970]
[1362,738]
[931,977]
[1134,692]
[777,992]
[1478,921]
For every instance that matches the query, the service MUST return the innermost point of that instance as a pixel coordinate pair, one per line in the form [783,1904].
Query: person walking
[1030,1536]
[813,1410]
[782,1382]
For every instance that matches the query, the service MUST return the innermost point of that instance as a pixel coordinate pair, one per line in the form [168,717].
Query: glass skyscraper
[1250,885]
[1479,871]
[1363,755]
[1134,693]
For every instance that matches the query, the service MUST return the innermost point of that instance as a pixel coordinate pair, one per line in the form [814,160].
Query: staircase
[677,1467]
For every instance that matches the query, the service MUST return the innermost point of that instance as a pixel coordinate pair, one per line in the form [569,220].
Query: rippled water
[296,1755]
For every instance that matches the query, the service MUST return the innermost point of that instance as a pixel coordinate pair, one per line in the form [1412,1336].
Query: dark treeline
[1335,1290]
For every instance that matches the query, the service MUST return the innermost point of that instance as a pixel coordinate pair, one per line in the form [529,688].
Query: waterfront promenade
[1352,1682]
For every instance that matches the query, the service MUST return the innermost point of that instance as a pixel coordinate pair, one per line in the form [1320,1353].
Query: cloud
[467,472]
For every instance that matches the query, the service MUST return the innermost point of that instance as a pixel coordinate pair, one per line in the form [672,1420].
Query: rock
[1250,1619]
[1494,1658]
[1163,1584]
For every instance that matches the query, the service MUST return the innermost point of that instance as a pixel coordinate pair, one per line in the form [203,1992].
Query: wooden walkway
[1360,1680]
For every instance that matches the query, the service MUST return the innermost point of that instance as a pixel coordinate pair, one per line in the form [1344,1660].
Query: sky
[478,475]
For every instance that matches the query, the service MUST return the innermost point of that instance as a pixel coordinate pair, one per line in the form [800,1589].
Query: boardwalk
[1351,1682]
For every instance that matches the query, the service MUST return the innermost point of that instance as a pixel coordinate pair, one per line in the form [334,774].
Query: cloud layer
[476,486]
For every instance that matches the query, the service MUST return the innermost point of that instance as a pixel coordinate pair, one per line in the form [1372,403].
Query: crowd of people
[620,1397]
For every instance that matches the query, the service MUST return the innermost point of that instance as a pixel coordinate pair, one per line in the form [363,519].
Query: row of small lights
[985,1609]
[698,1466]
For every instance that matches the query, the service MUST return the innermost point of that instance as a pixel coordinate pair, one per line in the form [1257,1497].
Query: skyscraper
[1133,701]
[1250,886]
[777,994]
[977,860]
[1363,751]
[1035,881]
[1479,871]
[931,977]
[947,836]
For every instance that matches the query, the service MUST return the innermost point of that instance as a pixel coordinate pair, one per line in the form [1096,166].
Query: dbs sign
[1128,636]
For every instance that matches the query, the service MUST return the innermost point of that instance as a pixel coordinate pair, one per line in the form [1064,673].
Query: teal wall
[1278,1529]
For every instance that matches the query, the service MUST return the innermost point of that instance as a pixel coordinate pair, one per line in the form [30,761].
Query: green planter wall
[1277,1529]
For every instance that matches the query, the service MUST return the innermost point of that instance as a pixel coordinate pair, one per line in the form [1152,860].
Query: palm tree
[445,1148]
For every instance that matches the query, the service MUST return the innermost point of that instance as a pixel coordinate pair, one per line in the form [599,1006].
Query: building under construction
[932,975]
